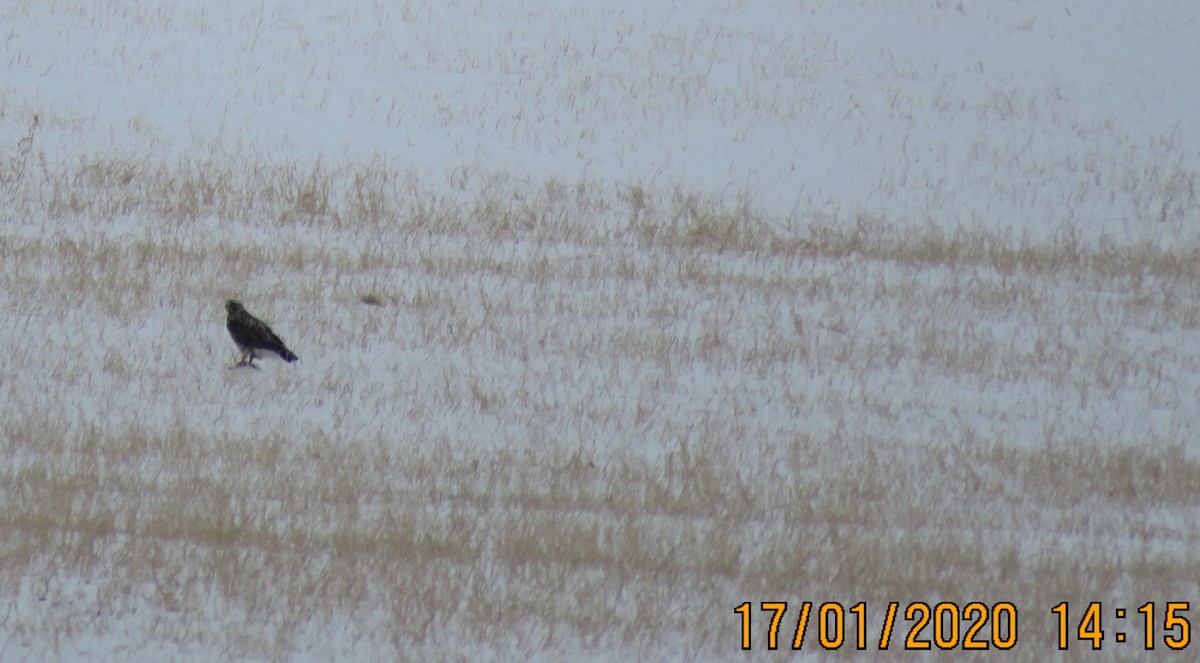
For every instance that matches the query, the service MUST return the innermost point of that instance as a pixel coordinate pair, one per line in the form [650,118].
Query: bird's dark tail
[287,355]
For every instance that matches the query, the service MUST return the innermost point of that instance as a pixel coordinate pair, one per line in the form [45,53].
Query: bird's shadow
[236,366]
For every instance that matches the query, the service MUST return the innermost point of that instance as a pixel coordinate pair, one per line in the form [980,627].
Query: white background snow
[1018,115]
[1035,119]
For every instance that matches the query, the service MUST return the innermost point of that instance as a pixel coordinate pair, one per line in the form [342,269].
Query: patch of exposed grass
[608,552]
[378,199]
[575,418]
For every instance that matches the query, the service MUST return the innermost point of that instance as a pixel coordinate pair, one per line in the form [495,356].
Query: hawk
[252,334]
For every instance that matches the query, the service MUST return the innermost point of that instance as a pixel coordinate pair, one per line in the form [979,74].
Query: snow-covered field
[612,317]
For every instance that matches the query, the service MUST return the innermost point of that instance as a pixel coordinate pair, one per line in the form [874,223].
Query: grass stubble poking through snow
[582,421]
[829,302]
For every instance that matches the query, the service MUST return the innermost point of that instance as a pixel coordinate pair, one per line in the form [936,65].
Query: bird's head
[233,306]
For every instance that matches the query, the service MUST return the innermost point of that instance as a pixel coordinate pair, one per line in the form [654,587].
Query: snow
[1024,116]
[1031,119]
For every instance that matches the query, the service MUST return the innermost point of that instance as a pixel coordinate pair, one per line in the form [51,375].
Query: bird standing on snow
[252,334]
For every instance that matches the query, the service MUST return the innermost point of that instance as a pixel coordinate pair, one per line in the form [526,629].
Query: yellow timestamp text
[1096,625]
[942,626]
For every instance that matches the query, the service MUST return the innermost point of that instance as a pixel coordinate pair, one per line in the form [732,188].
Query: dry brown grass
[568,420]
[613,554]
